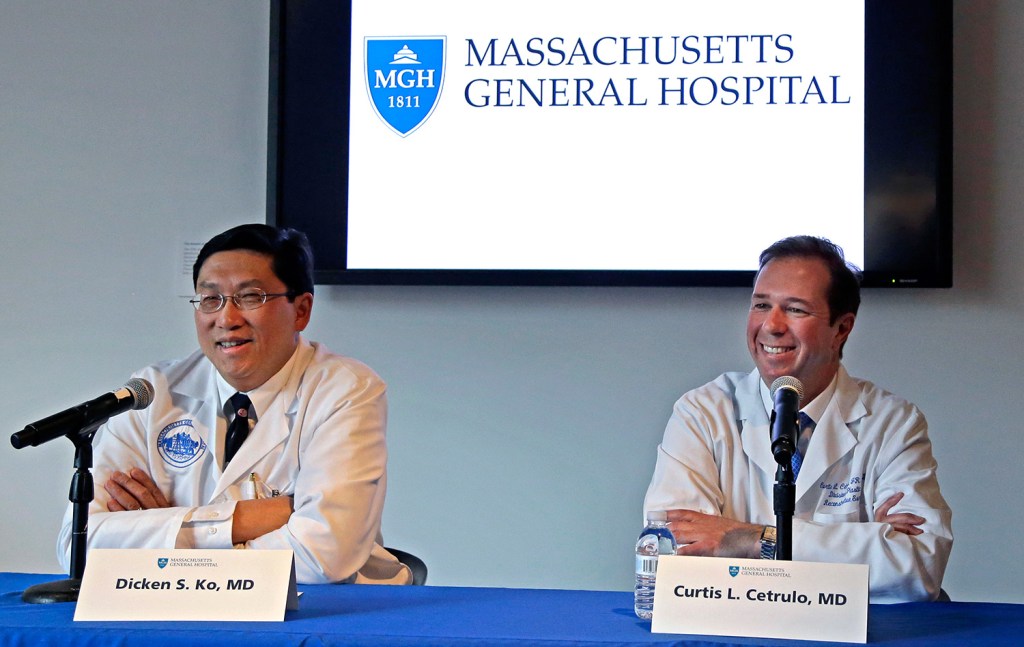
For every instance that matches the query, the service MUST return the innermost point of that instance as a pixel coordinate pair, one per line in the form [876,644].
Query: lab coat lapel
[266,434]
[272,427]
[832,438]
[756,434]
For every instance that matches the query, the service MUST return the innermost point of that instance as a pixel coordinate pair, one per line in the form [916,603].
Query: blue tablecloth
[433,615]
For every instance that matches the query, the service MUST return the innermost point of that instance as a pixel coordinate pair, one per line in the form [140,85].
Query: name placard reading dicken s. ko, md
[715,596]
[144,584]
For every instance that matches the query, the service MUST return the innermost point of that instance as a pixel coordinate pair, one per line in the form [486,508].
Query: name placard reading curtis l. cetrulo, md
[145,584]
[715,596]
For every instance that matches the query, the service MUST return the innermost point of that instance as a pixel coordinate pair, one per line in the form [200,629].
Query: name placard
[144,584]
[715,596]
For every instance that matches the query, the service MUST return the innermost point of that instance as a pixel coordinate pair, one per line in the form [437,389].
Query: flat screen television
[604,142]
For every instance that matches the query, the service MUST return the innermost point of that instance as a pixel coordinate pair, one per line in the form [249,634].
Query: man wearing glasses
[260,439]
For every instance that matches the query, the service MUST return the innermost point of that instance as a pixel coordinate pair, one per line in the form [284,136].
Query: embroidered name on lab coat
[842,492]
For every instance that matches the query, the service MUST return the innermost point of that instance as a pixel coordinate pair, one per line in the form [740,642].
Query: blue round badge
[179,444]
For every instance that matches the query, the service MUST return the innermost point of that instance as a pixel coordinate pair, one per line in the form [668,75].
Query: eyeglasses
[248,300]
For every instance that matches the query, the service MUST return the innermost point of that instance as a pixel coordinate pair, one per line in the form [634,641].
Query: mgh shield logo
[404,76]
[734,571]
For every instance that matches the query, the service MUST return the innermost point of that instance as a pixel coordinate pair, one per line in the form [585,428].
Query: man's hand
[133,491]
[256,517]
[714,536]
[904,522]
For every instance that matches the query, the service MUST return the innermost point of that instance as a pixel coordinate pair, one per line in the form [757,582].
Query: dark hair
[844,287]
[289,248]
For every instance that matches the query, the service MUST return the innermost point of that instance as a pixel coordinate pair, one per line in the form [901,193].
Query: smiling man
[866,489]
[260,439]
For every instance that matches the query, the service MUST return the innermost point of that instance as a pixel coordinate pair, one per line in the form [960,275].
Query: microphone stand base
[51,592]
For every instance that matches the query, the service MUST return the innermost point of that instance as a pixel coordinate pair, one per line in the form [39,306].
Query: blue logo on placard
[404,76]
[734,570]
[179,444]
[161,562]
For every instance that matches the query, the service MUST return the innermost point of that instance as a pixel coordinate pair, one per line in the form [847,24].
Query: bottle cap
[657,515]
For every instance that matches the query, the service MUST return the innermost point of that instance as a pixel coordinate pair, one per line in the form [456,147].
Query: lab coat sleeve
[686,474]
[340,487]
[901,567]
[119,445]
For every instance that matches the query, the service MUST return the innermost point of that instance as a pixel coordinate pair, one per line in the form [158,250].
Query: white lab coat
[716,458]
[321,440]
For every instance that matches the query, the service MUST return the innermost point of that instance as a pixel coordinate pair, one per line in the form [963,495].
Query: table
[455,616]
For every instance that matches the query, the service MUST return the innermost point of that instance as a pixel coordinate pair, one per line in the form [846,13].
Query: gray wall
[523,420]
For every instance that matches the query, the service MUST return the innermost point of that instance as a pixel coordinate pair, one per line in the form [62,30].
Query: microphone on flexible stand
[79,424]
[786,394]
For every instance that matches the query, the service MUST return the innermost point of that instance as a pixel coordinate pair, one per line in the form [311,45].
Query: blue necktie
[798,459]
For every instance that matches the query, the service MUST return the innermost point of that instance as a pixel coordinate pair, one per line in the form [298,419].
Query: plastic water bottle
[656,539]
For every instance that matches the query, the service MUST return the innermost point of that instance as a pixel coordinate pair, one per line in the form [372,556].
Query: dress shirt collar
[815,409]
[264,394]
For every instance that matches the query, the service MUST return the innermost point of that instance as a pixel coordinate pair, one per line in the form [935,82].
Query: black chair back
[415,564]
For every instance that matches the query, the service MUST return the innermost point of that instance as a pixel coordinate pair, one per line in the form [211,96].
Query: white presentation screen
[600,142]
[600,134]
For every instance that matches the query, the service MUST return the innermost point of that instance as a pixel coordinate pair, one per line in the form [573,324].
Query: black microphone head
[142,392]
[787,382]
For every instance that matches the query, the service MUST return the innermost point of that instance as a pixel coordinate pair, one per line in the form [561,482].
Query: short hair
[291,255]
[844,287]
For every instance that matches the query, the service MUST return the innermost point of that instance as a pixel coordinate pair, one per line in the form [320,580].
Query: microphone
[786,393]
[135,394]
